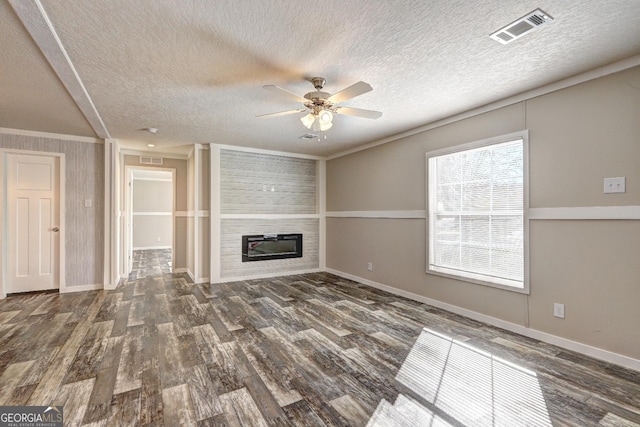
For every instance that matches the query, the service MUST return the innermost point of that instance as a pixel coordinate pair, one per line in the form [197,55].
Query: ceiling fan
[321,106]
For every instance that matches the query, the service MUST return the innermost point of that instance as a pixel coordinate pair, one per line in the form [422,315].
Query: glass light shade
[325,126]
[316,126]
[308,120]
[325,117]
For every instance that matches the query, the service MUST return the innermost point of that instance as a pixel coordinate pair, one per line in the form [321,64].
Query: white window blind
[476,213]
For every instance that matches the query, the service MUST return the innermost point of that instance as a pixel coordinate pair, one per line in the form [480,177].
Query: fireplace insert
[271,246]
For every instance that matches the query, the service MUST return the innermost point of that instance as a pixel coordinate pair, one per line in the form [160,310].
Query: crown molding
[596,73]
[60,136]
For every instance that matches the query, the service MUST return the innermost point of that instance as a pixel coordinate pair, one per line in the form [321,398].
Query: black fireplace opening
[264,247]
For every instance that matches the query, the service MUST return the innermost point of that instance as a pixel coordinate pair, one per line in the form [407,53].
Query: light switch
[87,203]
[614,185]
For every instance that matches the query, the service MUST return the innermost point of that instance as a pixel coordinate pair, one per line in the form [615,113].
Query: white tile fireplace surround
[231,245]
[267,194]
[265,247]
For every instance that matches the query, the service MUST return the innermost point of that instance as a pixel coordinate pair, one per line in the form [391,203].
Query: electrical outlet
[370,266]
[87,203]
[615,185]
[159,239]
[558,310]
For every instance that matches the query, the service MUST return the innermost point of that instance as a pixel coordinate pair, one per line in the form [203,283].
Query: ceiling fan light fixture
[308,120]
[321,106]
[325,126]
[325,117]
[316,127]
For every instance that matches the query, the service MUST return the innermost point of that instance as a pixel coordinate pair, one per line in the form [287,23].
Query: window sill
[504,286]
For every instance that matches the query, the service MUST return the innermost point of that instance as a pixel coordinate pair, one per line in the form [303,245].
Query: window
[476,205]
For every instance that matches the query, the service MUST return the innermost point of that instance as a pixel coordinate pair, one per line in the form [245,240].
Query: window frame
[524,135]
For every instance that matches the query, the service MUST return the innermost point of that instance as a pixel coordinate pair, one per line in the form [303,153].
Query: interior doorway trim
[127,241]
[3,215]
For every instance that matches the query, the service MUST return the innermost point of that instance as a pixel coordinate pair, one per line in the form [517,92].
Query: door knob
[55,229]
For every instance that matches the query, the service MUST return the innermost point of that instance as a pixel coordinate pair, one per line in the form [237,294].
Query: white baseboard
[185,270]
[597,353]
[112,286]
[146,248]
[265,276]
[82,288]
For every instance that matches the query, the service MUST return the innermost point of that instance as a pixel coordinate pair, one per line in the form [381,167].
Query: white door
[32,222]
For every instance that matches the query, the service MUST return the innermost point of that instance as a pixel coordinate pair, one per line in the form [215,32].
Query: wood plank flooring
[306,350]
[150,262]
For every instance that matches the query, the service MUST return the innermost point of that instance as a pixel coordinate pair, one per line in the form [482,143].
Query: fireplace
[271,246]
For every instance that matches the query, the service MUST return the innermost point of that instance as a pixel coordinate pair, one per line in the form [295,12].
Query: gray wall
[578,136]
[84,227]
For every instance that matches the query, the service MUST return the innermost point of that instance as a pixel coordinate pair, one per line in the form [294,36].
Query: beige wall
[578,136]
[203,238]
[150,199]
[180,167]
[180,203]
[197,222]
[190,220]
[152,232]
[84,179]
[581,135]
[152,196]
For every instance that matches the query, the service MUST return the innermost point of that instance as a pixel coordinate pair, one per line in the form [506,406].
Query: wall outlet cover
[558,310]
[615,185]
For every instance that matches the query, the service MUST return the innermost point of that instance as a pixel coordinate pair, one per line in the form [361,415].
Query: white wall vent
[522,26]
[148,160]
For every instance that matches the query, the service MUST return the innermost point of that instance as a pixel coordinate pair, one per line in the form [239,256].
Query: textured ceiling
[195,68]
[31,95]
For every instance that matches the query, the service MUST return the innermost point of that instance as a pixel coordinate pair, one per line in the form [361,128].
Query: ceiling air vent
[148,160]
[522,26]
[308,136]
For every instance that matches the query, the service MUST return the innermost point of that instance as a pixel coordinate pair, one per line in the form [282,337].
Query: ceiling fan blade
[350,92]
[286,93]
[359,112]
[283,113]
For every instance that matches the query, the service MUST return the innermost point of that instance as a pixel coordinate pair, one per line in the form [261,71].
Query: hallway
[150,262]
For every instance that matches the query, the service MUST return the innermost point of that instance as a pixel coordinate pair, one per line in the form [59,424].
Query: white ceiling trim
[37,23]
[176,156]
[625,64]
[270,152]
[38,134]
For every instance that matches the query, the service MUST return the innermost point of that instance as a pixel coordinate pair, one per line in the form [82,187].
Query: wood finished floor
[301,350]
[150,262]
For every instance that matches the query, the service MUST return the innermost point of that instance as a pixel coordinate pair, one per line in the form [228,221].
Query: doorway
[33,196]
[150,216]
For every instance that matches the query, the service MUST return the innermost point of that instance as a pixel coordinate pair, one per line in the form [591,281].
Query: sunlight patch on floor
[460,384]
